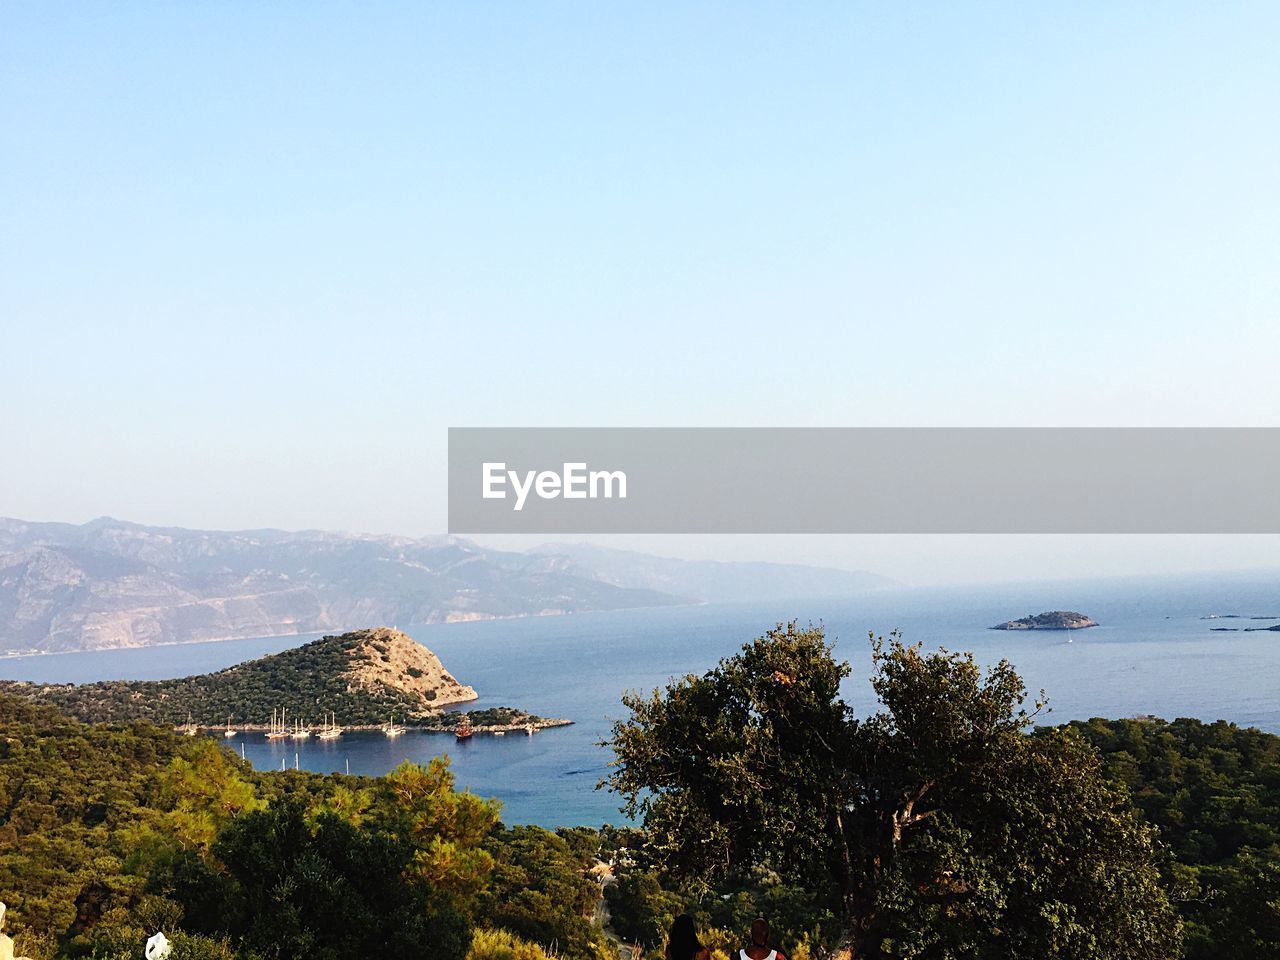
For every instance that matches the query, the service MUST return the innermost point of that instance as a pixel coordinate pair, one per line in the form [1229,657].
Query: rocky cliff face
[113,584]
[382,658]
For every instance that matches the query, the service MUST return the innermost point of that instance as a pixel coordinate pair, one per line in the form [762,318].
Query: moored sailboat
[278,731]
[331,730]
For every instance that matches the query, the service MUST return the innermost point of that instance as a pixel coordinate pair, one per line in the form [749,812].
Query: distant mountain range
[710,580]
[109,583]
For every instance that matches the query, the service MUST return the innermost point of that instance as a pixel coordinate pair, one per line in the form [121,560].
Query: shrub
[503,945]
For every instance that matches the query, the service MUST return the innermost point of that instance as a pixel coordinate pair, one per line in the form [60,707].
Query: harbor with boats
[282,727]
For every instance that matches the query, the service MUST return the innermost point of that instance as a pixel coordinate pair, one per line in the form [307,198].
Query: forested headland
[357,679]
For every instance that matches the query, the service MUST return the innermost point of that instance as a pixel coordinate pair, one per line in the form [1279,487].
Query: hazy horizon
[908,559]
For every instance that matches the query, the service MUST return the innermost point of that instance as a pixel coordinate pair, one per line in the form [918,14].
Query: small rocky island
[1053,620]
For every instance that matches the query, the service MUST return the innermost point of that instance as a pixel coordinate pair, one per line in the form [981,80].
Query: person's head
[682,941]
[760,932]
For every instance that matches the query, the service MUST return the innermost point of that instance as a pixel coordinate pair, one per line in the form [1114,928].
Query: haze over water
[1151,654]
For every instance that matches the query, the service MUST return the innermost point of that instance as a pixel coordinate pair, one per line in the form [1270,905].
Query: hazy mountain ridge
[110,583]
[711,580]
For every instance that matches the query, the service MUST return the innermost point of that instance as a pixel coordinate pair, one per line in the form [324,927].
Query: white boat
[189,729]
[278,731]
[391,730]
[230,731]
[330,731]
[300,732]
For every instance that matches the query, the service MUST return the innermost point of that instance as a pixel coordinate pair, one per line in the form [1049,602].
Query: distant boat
[230,731]
[464,731]
[190,728]
[530,729]
[391,730]
[300,732]
[330,731]
[499,733]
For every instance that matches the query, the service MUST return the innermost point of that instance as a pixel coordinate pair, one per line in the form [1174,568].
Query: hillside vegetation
[1213,790]
[361,678]
[111,832]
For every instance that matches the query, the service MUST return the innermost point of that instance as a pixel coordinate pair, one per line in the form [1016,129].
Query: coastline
[331,631]
[540,723]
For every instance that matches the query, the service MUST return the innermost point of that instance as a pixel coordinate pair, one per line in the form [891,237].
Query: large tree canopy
[939,827]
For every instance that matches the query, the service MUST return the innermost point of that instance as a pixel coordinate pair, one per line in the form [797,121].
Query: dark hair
[682,941]
[760,932]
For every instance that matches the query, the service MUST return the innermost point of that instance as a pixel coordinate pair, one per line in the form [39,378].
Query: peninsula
[362,679]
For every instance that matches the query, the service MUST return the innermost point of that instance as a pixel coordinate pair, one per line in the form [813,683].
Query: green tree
[1213,790]
[446,828]
[202,792]
[328,891]
[1243,921]
[540,889]
[641,908]
[939,827]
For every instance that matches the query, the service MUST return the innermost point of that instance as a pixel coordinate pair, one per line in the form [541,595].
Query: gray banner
[864,480]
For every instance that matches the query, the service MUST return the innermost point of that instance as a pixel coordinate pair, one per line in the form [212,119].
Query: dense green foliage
[541,888]
[940,827]
[327,890]
[76,800]
[1213,790]
[110,832]
[309,683]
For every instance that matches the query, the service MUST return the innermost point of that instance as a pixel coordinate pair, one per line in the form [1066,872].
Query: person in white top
[760,949]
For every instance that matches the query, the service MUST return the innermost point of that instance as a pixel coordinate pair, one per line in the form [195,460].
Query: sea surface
[1152,654]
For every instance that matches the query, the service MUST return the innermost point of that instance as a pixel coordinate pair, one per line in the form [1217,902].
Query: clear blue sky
[255,258]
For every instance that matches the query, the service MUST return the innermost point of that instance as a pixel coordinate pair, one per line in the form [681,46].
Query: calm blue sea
[1152,654]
